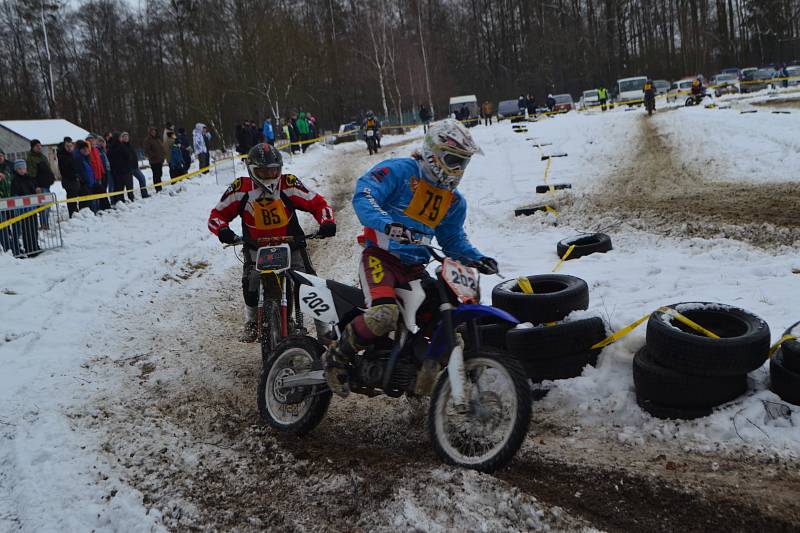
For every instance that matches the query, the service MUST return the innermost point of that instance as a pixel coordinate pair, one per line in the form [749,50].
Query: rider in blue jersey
[398,201]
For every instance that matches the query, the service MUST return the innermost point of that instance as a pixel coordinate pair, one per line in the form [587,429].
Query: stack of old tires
[548,347]
[682,373]
[784,367]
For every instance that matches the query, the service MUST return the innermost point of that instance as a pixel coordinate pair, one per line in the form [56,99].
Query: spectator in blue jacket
[269,134]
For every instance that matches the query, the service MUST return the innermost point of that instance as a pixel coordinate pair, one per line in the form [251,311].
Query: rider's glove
[486,265]
[227,236]
[327,229]
[398,232]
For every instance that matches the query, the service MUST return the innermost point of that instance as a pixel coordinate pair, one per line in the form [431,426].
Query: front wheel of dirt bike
[488,431]
[270,333]
[299,409]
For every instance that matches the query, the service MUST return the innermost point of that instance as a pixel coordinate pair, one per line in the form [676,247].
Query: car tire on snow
[554,297]
[743,346]
[560,351]
[562,367]
[783,381]
[669,388]
[584,245]
[791,349]
[550,342]
[670,413]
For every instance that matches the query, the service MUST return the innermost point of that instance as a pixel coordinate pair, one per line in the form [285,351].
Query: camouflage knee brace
[382,319]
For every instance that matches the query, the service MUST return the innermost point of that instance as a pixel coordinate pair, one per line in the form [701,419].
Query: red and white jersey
[267,217]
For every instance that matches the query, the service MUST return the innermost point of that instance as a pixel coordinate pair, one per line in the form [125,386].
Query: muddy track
[182,428]
[655,192]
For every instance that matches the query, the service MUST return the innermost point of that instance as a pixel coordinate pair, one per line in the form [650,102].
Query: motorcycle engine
[370,372]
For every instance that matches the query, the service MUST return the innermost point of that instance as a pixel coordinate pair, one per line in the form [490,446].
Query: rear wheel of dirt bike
[270,331]
[489,432]
[298,409]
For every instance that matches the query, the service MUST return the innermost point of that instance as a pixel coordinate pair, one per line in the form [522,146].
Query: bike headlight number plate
[274,258]
[464,281]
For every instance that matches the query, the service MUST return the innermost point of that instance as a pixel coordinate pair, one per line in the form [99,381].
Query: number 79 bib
[429,204]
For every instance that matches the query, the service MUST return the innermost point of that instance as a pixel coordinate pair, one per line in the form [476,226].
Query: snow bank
[642,273]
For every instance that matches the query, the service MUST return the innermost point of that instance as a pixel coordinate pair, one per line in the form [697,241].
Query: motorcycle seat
[345,297]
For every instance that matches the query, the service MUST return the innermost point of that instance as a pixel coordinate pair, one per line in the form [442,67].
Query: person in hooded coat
[199,144]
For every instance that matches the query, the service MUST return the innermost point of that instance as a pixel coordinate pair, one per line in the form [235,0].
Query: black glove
[398,232]
[227,236]
[327,229]
[486,265]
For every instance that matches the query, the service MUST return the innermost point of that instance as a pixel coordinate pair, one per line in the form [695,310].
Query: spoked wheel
[270,332]
[487,434]
[296,409]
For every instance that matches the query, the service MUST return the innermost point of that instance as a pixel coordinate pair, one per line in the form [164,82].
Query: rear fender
[462,314]
[301,278]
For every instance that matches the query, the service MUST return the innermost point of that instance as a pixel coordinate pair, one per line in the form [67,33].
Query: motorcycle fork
[280,280]
[459,386]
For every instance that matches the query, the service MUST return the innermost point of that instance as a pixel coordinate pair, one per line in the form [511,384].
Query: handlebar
[271,241]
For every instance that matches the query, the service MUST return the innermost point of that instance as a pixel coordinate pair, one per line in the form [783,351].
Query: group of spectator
[299,128]
[94,165]
[527,103]
[248,134]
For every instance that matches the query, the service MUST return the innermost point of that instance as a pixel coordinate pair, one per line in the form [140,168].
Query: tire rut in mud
[616,498]
[655,192]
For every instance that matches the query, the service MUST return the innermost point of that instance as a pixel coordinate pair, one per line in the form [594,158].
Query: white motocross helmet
[446,152]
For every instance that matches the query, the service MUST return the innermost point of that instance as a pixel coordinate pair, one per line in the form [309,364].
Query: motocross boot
[337,360]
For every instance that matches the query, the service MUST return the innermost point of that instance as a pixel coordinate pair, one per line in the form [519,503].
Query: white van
[590,98]
[470,100]
[630,91]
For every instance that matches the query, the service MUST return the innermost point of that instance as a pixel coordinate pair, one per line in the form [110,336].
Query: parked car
[793,72]
[508,109]
[662,86]
[745,71]
[631,90]
[680,89]
[732,70]
[564,103]
[756,80]
[725,83]
[589,98]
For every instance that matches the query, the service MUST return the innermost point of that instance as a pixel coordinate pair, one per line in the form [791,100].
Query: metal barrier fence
[31,235]
[227,167]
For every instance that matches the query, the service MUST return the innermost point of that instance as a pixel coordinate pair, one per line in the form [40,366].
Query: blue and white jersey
[394,191]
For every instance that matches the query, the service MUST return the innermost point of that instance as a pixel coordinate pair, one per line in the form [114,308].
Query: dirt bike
[279,314]
[694,99]
[480,407]
[371,136]
[650,103]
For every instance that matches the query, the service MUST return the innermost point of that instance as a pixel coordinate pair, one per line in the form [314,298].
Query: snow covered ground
[68,309]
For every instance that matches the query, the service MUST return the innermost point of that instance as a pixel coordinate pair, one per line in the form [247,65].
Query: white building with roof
[16,137]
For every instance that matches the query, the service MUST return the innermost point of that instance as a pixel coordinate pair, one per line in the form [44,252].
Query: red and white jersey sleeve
[229,205]
[305,199]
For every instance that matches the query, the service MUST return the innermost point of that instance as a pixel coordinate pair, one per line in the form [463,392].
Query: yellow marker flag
[525,285]
[566,256]
[777,345]
[619,334]
[685,320]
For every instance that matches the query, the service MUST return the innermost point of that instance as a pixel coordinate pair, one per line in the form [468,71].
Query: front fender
[462,314]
